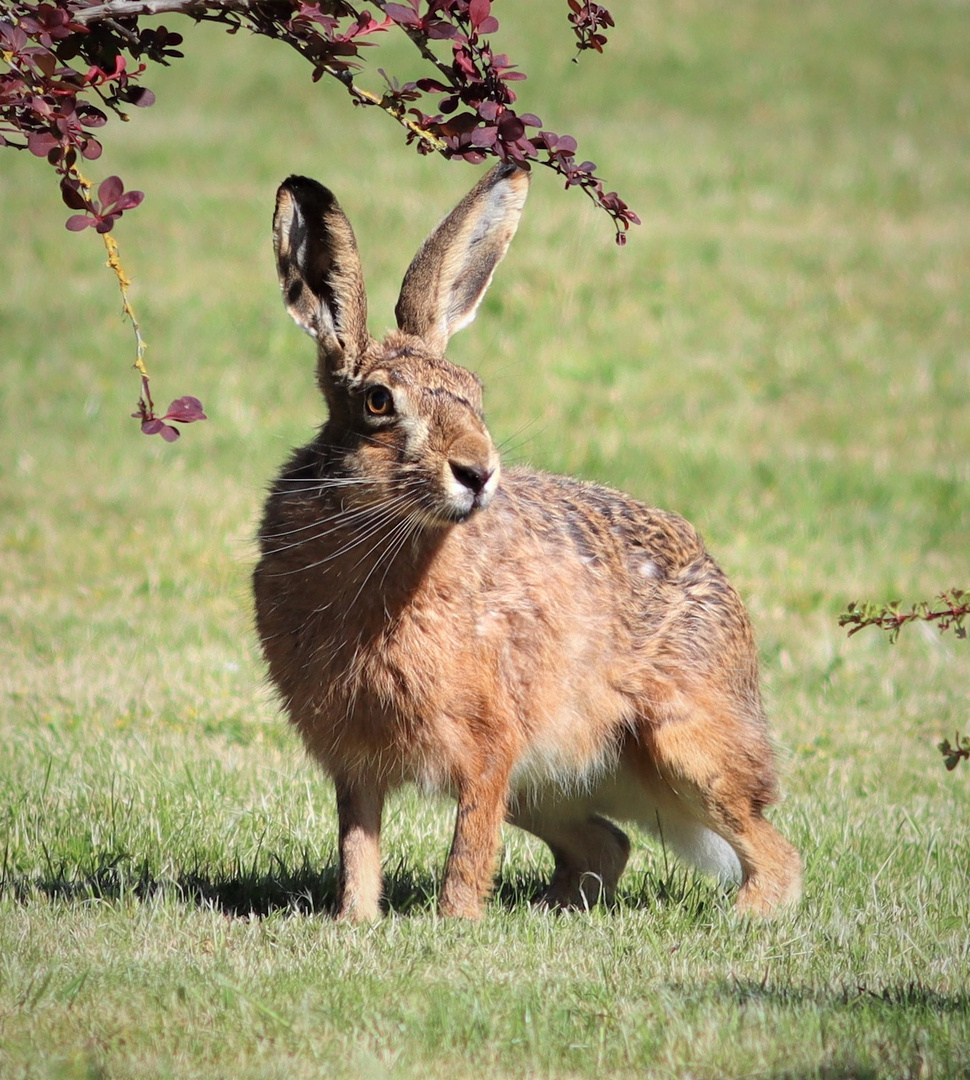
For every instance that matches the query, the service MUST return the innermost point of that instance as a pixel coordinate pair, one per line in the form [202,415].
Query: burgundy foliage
[67,65]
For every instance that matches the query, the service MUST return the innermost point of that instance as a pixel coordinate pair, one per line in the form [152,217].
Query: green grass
[781,353]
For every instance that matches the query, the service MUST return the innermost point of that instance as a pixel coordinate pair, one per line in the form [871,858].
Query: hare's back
[604,528]
[647,568]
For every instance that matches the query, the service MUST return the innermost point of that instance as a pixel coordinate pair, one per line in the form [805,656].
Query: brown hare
[549,652]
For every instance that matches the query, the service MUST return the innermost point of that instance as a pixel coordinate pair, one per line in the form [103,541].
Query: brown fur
[547,651]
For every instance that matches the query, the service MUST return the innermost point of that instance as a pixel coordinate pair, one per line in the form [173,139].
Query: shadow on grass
[240,892]
[306,889]
[911,996]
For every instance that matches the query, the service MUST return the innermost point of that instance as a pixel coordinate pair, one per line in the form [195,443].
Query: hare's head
[405,423]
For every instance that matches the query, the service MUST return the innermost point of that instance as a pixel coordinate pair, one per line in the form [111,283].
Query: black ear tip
[509,169]
[308,192]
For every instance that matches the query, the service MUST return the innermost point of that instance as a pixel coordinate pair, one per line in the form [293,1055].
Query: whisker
[336,522]
[506,443]
[401,529]
[416,526]
[372,524]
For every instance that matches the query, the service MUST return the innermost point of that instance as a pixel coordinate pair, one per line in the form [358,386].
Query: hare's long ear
[449,275]
[320,275]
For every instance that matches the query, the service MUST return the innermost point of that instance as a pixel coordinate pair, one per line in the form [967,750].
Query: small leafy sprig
[589,21]
[184,410]
[956,752]
[948,611]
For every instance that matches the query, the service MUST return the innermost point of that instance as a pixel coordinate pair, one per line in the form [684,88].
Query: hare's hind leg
[590,852]
[719,768]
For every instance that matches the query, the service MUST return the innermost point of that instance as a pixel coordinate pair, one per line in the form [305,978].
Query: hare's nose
[473,477]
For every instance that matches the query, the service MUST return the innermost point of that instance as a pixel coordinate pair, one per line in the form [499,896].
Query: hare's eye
[379,401]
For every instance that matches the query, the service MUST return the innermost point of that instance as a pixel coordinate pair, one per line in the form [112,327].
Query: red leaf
[479,11]
[77,222]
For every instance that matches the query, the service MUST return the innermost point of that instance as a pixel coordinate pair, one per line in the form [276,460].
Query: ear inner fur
[320,273]
[448,277]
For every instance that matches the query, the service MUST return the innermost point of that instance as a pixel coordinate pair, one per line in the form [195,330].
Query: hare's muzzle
[471,475]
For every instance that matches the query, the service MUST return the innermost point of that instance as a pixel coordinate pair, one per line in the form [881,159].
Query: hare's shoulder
[597,520]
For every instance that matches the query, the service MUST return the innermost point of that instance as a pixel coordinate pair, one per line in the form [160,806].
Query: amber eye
[379,401]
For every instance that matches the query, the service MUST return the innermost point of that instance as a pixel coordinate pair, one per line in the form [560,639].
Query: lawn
[781,353]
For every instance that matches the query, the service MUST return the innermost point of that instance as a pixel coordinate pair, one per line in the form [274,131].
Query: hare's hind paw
[766,892]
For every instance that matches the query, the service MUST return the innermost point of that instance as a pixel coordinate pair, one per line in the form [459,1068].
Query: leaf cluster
[72,63]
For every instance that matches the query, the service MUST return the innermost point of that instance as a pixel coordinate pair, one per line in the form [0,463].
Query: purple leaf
[72,197]
[483,136]
[404,16]
[91,117]
[168,433]
[440,30]
[510,127]
[77,222]
[110,190]
[129,200]
[185,410]
[41,143]
[141,96]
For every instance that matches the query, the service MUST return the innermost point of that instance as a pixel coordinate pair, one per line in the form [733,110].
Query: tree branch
[121,9]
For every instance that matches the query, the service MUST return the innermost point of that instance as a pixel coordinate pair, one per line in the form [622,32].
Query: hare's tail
[695,843]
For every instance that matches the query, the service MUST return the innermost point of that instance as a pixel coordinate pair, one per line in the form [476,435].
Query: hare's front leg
[470,870]
[359,810]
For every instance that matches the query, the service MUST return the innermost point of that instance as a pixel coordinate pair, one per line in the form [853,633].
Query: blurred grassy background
[781,353]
